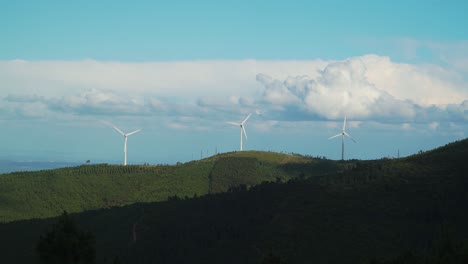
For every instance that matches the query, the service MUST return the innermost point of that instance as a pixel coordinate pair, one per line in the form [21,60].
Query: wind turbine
[242,128]
[125,144]
[343,134]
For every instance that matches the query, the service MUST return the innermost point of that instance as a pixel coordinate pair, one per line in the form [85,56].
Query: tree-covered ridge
[380,211]
[264,156]
[47,193]
[25,195]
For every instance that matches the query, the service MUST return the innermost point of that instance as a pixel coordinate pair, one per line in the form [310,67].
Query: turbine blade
[245,120]
[232,123]
[344,123]
[335,136]
[123,134]
[134,132]
[350,137]
[245,134]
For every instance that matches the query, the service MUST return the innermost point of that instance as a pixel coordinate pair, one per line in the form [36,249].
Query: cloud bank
[365,88]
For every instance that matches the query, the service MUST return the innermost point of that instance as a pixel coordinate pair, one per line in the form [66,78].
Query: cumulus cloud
[348,87]
[423,84]
[276,92]
[341,89]
[370,87]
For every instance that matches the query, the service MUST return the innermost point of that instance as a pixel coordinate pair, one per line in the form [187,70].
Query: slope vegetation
[410,210]
[42,194]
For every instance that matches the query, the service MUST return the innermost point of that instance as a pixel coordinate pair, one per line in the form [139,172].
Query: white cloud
[388,92]
[354,124]
[364,88]
[177,126]
[434,125]
[422,84]
[187,78]
[276,92]
[264,126]
[406,126]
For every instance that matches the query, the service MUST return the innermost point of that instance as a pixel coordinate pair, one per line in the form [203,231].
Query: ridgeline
[47,193]
[252,207]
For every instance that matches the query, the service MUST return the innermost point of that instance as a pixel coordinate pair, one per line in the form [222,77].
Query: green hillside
[47,193]
[26,195]
[408,210]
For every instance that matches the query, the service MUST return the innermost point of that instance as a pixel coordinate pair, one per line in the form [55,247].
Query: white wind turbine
[343,134]
[242,129]
[125,144]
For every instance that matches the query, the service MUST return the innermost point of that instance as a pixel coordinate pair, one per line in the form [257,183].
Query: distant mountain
[252,207]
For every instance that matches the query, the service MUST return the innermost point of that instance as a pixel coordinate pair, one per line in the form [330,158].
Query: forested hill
[408,210]
[47,193]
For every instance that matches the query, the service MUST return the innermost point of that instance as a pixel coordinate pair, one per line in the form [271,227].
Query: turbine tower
[343,134]
[125,144]
[242,128]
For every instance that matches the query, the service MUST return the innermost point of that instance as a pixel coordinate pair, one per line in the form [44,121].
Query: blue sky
[181,69]
[186,30]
